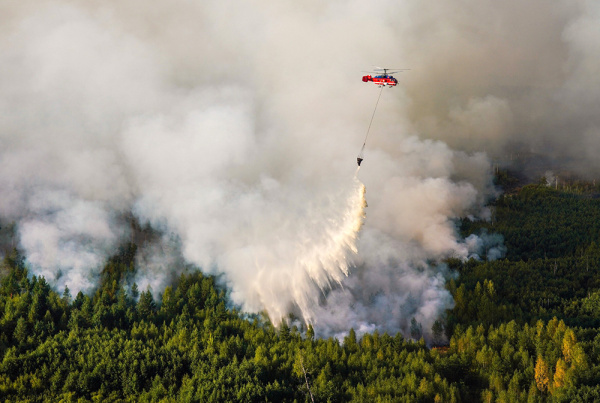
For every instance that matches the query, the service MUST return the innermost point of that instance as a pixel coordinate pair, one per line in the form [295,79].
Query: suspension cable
[370,123]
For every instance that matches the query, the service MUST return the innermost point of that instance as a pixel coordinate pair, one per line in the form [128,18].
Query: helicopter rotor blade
[397,71]
[390,70]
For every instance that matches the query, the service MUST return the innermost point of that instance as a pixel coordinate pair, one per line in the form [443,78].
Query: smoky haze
[232,129]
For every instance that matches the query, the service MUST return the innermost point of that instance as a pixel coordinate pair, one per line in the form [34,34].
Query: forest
[524,328]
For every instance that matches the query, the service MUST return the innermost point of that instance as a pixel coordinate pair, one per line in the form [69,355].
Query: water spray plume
[322,259]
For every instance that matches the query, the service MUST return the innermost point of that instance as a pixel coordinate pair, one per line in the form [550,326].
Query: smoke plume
[231,129]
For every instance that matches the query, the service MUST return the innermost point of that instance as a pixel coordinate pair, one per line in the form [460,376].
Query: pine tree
[542,375]
[146,304]
[569,341]
[437,329]
[67,295]
[134,291]
[20,333]
[560,374]
[416,329]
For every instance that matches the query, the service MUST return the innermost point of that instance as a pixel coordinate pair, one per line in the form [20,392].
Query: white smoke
[508,78]
[158,261]
[232,130]
[490,246]
[67,240]
[551,179]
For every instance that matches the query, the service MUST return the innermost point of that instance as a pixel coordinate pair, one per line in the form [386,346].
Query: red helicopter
[384,77]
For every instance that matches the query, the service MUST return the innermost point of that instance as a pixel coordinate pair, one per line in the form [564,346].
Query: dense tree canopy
[524,328]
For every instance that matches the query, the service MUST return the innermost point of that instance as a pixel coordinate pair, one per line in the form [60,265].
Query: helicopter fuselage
[381,80]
